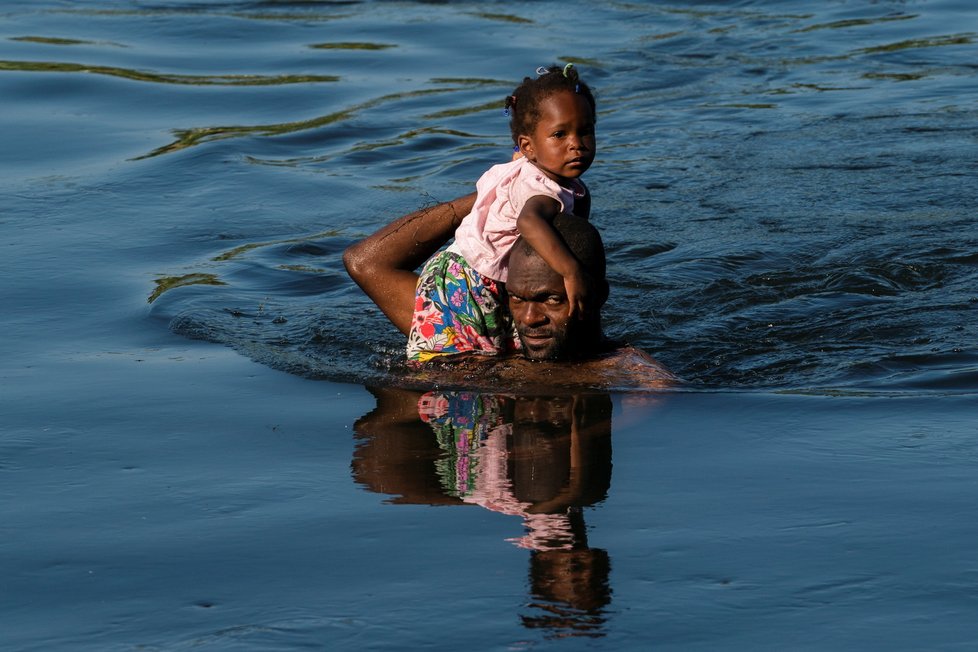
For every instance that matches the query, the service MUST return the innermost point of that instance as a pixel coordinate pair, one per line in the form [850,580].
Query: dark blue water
[785,197]
[787,192]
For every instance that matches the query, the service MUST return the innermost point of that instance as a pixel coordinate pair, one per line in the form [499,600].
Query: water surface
[200,443]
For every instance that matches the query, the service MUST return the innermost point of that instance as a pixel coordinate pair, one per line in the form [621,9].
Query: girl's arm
[535,224]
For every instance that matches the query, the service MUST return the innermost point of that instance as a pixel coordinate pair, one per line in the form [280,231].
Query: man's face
[538,303]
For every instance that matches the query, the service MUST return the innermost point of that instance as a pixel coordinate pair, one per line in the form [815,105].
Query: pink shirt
[486,235]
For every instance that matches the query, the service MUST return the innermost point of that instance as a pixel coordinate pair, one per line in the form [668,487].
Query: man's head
[538,300]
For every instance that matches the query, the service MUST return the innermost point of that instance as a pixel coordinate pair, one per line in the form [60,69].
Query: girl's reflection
[540,458]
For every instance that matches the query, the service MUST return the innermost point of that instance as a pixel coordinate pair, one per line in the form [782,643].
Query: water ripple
[196,136]
[786,191]
[164,78]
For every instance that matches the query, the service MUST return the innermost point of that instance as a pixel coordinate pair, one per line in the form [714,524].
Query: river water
[200,445]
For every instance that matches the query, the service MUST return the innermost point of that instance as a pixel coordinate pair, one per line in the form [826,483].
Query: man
[384,265]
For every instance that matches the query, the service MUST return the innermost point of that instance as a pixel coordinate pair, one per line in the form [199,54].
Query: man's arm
[384,264]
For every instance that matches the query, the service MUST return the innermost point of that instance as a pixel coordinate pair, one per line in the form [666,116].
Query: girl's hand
[579,295]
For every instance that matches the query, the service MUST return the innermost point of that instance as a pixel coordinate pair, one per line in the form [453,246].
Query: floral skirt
[457,310]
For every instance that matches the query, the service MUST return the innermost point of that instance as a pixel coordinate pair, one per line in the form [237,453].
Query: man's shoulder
[625,366]
[616,367]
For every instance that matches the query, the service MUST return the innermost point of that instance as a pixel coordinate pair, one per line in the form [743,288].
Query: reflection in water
[540,458]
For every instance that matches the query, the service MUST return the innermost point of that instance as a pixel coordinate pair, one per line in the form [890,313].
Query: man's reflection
[540,458]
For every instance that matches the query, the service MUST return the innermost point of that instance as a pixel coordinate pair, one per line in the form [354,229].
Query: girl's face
[562,142]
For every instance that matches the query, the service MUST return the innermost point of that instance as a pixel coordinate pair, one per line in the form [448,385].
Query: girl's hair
[523,106]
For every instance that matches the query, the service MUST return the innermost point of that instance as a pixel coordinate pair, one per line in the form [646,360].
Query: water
[787,194]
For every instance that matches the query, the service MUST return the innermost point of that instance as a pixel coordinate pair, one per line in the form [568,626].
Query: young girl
[459,306]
